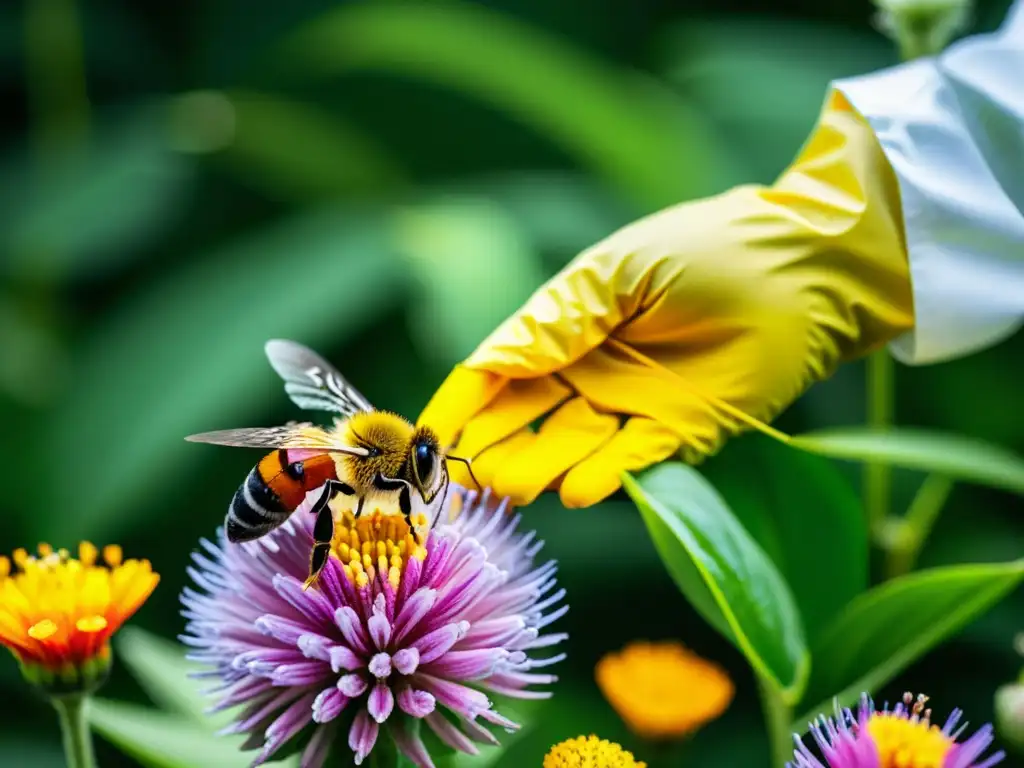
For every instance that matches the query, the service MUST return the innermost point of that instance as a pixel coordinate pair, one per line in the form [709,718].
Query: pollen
[376,545]
[909,742]
[58,612]
[663,690]
[587,751]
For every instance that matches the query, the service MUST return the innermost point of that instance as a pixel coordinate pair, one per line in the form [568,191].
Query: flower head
[396,633]
[590,751]
[663,690]
[903,737]
[57,613]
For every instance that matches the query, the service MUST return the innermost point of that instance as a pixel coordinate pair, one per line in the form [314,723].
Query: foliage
[384,181]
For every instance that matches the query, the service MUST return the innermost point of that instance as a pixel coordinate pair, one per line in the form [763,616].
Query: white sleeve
[952,127]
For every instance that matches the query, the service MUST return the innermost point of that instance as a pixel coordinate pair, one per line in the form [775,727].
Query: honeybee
[370,455]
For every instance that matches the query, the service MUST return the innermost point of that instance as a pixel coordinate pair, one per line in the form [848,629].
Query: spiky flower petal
[395,635]
[903,737]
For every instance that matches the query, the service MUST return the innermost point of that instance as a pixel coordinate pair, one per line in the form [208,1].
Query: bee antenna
[469,467]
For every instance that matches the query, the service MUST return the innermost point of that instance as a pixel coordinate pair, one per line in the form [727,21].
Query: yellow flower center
[663,690]
[376,543]
[904,742]
[57,610]
[590,752]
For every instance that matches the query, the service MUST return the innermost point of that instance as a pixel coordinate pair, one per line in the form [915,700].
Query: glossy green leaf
[955,456]
[804,514]
[752,597]
[162,671]
[186,355]
[93,209]
[475,267]
[881,632]
[158,740]
[271,143]
[627,127]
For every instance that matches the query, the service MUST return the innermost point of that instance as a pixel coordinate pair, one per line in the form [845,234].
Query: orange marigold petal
[663,690]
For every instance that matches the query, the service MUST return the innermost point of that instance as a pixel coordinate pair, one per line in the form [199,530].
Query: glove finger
[617,385]
[489,463]
[566,438]
[460,397]
[518,404]
[639,444]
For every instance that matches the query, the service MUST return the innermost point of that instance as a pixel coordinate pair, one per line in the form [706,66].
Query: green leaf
[955,456]
[805,515]
[163,672]
[166,741]
[747,590]
[475,267]
[627,127]
[186,355]
[881,632]
[93,209]
[271,147]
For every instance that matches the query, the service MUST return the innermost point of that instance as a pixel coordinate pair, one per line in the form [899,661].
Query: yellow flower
[662,690]
[57,613]
[590,752]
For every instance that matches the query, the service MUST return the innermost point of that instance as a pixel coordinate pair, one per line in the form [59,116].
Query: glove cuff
[842,193]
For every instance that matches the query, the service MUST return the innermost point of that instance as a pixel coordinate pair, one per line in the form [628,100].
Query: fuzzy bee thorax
[387,436]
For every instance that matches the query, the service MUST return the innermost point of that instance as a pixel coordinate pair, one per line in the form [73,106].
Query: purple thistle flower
[393,633]
[903,736]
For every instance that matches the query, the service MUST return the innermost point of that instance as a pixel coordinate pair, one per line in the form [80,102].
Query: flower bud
[1009,707]
[922,27]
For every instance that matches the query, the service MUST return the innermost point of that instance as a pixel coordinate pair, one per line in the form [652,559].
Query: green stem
[777,717]
[878,477]
[917,525]
[74,727]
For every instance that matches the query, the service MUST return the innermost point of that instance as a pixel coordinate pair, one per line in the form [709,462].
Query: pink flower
[393,633]
[903,737]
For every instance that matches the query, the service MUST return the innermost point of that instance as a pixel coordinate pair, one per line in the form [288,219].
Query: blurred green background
[180,181]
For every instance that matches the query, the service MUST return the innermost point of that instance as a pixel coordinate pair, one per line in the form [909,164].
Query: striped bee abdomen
[273,490]
[255,509]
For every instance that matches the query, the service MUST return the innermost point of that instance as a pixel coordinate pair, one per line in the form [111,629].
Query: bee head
[427,466]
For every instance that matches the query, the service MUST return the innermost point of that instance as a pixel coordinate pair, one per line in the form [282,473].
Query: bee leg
[404,494]
[323,529]
[405,504]
[317,560]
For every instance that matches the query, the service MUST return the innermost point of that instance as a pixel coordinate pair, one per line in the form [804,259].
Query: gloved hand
[746,299]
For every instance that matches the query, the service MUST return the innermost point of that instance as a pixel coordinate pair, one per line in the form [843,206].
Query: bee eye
[424,459]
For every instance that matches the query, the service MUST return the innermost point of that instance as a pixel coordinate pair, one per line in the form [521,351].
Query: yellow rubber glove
[746,299]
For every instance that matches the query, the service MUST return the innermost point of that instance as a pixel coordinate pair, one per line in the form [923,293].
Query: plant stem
[74,727]
[777,717]
[878,477]
[917,524]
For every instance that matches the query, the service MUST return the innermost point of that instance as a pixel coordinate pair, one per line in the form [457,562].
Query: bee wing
[311,382]
[289,436]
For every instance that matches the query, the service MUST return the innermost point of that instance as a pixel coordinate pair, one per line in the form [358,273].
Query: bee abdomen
[255,509]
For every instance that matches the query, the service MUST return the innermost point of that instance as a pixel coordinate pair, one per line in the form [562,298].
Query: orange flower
[57,613]
[662,690]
